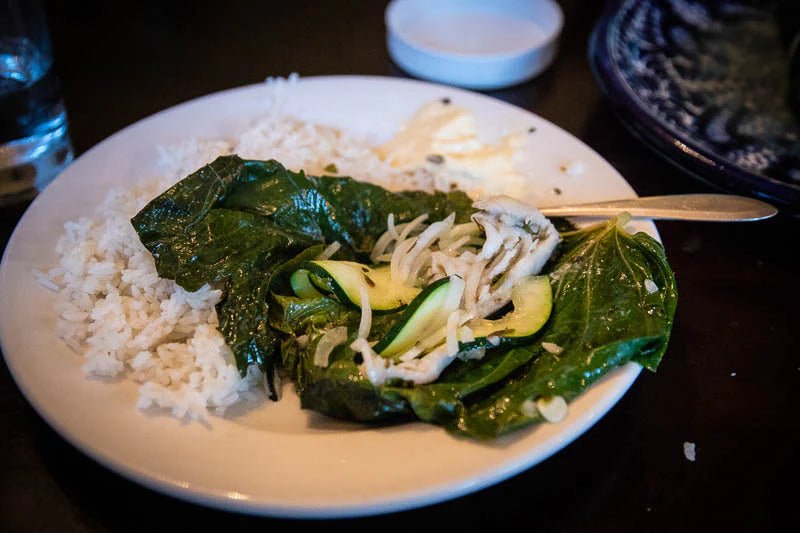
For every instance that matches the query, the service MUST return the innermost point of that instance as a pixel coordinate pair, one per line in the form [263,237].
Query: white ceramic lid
[477,44]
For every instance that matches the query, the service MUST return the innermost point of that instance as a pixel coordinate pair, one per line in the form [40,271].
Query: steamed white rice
[124,320]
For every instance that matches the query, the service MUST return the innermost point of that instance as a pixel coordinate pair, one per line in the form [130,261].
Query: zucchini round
[428,312]
[343,279]
[532,298]
[302,286]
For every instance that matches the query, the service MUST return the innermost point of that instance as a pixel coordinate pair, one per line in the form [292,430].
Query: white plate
[277,459]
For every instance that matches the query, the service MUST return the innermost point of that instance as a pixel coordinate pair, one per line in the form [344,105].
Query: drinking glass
[34,141]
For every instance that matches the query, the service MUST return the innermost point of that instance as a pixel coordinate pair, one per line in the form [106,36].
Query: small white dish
[476,44]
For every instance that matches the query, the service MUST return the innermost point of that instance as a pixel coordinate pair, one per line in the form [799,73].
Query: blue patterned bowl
[706,84]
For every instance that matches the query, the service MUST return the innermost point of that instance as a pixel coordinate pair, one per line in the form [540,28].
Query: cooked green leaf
[245,226]
[232,223]
[614,301]
[443,400]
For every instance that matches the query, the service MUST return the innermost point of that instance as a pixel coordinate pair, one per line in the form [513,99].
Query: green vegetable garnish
[233,222]
[246,227]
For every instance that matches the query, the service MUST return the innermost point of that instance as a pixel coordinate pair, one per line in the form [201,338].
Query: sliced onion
[445,265]
[390,227]
[424,240]
[398,255]
[451,332]
[386,238]
[426,369]
[381,245]
[331,249]
[467,256]
[373,366]
[438,260]
[434,336]
[432,339]
[453,246]
[406,231]
[330,340]
[414,352]
[391,235]
[553,408]
[366,311]
[472,282]
[460,230]
[417,253]
[465,334]
[552,348]
[477,354]
[419,263]
[455,293]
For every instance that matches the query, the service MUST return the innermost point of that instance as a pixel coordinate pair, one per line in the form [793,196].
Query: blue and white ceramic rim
[684,152]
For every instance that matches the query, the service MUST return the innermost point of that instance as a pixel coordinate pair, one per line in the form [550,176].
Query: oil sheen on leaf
[245,226]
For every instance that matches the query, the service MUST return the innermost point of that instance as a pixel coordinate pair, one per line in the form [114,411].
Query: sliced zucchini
[302,286]
[532,298]
[343,279]
[428,312]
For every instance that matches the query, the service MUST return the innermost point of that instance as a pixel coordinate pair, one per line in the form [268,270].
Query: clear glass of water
[34,141]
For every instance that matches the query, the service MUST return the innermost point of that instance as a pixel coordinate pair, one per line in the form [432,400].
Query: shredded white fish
[505,241]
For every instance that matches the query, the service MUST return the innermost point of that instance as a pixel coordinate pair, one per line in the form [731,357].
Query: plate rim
[432,494]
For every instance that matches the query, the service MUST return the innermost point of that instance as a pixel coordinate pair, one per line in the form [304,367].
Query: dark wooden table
[737,313]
